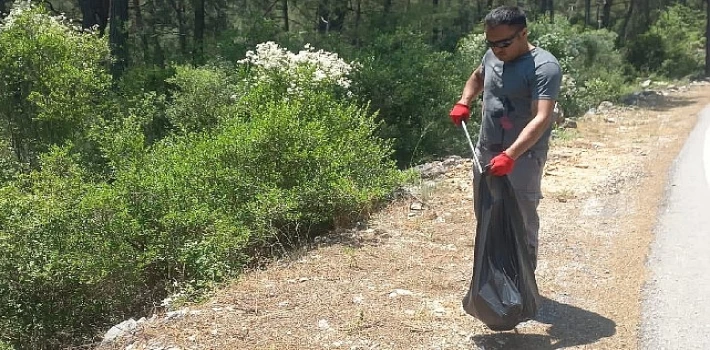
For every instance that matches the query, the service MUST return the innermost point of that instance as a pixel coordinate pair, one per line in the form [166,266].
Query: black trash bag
[503,290]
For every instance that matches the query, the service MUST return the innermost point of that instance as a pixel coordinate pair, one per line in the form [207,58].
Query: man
[520,85]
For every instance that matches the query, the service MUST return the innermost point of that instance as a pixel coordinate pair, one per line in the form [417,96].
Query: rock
[120,330]
[323,324]
[437,168]
[569,124]
[416,206]
[646,83]
[175,314]
[400,292]
[451,161]
[639,96]
[605,106]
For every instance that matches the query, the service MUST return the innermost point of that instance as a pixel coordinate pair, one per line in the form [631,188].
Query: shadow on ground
[666,103]
[569,326]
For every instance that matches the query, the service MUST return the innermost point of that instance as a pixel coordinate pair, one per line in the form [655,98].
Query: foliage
[114,194]
[592,66]
[53,84]
[673,46]
[412,86]
[184,211]
[64,261]
[199,98]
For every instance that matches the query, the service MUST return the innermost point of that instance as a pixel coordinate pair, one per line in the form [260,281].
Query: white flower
[306,67]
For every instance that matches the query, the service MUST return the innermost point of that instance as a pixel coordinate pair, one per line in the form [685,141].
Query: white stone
[323,324]
[120,329]
[400,292]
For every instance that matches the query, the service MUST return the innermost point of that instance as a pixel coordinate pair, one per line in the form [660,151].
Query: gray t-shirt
[508,91]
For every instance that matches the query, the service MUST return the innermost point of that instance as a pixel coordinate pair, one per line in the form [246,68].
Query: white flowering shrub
[309,68]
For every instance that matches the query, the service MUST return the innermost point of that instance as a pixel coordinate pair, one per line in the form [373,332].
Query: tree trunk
[435,31]
[179,7]
[323,17]
[140,29]
[159,54]
[588,12]
[331,16]
[551,9]
[284,12]
[118,36]
[606,13]
[627,19]
[221,19]
[95,13]
[479,10]
[387,7]
[199,45]
[358,19]
[646,14]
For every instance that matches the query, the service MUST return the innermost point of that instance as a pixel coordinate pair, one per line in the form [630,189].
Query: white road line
[706,157]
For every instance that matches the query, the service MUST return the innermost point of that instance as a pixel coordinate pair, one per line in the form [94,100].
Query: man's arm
[548,78]
[473,87]
[543,110]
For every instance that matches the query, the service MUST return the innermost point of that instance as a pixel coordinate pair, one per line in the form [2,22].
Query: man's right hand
[459,113]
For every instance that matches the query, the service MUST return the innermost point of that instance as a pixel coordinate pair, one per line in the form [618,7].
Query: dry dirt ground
[398,282]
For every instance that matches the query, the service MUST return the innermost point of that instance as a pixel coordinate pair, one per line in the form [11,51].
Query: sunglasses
[503,43]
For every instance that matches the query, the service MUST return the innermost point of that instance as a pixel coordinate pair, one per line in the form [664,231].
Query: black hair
[506,15]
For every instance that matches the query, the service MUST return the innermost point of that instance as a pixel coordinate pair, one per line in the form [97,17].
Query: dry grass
[398,283]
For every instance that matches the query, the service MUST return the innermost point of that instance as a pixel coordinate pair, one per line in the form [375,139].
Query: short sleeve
[484,60]
[548,78]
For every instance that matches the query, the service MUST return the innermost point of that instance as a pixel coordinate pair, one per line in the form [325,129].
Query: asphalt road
[676,306]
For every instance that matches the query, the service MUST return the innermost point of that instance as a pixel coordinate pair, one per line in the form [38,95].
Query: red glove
[501,165]
[459,113]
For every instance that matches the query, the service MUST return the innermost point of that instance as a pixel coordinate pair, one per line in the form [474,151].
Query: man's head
[506,32]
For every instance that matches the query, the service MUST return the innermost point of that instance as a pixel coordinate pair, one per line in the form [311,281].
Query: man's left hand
[501,165]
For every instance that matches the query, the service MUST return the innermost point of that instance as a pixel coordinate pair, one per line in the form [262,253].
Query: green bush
[673,46]
[198,98]
[184,211]
[65,268]
[412,87]
[53,84]
[593,68]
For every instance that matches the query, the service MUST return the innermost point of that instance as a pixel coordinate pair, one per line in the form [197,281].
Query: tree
[95,13]
[118,36]
[606,13]
[199,49]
